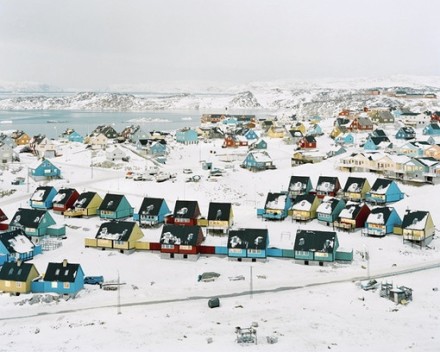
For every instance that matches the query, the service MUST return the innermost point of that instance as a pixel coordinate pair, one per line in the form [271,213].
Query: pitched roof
[303,202]
[116,230]
[16,241]
[84,199]
[28,217]
[151,206]
[328,205]
[381,185]
[354,184]
[63,272]
[41,193]
[275,200]
[15,271]
[3,216]
[180,235]
[327,183]
[298,183]
[219,211]
[351,210]
[186,209]
[248,238]
[379,215]
[415,219]
[111,202]
[319,241]
[63,195]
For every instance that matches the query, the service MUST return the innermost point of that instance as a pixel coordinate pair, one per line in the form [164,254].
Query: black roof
[180,235]
[63,195]
[332,180]
[116,230]
[187,209]
[63,272]
[380,183]
[248,238]
[353,208]
[3,216]
[332,202]
[9,240]
[378,132]
[28,217]
[42,192]
[412,217]
[310,139]
[274,196]
[296,180]
[360,181]
[111,202]
[319,241]
[385,211]
[295,133]
[408,129]
[15,271]
[219,211]
[151,206]
[304,197]
[84,199]
[379,139]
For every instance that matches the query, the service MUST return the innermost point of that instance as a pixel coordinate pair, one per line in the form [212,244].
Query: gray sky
[97,43]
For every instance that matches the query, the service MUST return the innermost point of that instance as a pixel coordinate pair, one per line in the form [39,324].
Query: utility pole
[119,295]
[251,283]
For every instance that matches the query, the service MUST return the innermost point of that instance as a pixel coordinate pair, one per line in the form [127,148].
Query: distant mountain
[27,87]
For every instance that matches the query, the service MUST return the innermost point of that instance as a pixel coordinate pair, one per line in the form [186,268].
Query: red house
[327,186]
[230,142]
[3,217]
[186,213]
[435,116]
[353,216]
[307,142]
[361,124]
[181,241]
[64,200]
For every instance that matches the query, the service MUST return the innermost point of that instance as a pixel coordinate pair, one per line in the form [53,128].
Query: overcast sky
[98,43]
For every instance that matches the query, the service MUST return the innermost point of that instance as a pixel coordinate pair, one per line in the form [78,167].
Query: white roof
[21,244]
[375,218]
[303,205]
[38,195]
[325,207]
[261,157]
[277,203]
[348,212]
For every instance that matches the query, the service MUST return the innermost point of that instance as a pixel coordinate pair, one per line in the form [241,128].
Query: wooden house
[299,185]
[157,148]
[115,154]
[294,136]
[415,119]
[314,130]
[432,129]
[34,222]
[353,216]
[121,235]
[187,136]
[259,144]
[315,246]
[152,212]
[115,206]
[338,131]
[15,245]
[276,206]
[258,160]
[299,126]
[376,143]
[435,116]
[345,139]
[302,157]
[384,191]
[186,212]
[86,205]
[43,147]
[433,152]
[381,221]
[406,133]
[381,117]
[181,242]
[97,140]
[64,200]
[45,171]
[3,218]
[7,154]
[413,149]
[307,142]
[248,244]
[304,207]
[42,197]
[220,217]
[329,209]
[327,186]
[361,124]
[17,277]
[72,136]
[356,189]
[20,138]
[276,132]
[62,278]
[417,227]
[106,130]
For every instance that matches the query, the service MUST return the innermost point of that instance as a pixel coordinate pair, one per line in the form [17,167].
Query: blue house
[43,197]
[258,161]
[258,144]
[250,244]
[276,206]
[328,211]
[381,221]
[152,212]
[250,134]
[375,143]
[384,191]
[115,206]
[34,222]
[299,185]
[157,148]
[314,130]
[187,136]
[45,171]
[345,139]
[75,137]
[63,278]
[15,245]
[406,133]
[433,129]
[315,246]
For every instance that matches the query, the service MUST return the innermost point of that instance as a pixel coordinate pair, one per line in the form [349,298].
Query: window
[66,285]
[18,284]
[54,284]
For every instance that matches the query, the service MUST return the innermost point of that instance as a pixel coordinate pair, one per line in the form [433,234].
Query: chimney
[64,263]
[19,262]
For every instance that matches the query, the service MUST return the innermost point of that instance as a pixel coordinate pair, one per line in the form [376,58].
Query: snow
[38,195]
[375,218]
[418,224]
[277,203]
[303,205]
[21,244]
[347,213]
[164,307]
[325,186]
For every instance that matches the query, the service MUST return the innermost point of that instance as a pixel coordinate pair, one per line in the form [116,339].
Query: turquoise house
[157,148]
[75,137]
[115,206]
[62,278]
[250,134]
[381,221]
[152,212]
[328,211]
[258,161]
[433,129]
[187,136]
[44,171]
[259,144]
[345,139]
[375,143]
[406,133]
[250,244]
[384,191]
[276,206]
[34,222]
[315,246]
[15,245]
[43,197]
[314,130]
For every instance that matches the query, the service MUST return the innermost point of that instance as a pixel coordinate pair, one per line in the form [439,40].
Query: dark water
[52,122]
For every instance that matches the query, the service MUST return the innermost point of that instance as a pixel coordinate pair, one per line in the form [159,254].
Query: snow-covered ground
[163,306]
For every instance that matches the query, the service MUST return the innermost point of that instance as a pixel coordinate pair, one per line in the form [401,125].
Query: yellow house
[336,131]
[21,138]
[305,207]
[17,277]
[299,127]
[121,235]
[97,141]
[220,217]
[356,188]
[87,204]
[418,227]
[276,132]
